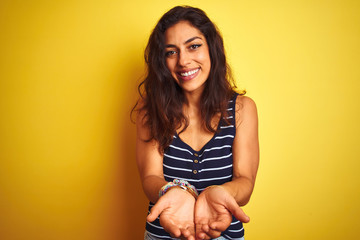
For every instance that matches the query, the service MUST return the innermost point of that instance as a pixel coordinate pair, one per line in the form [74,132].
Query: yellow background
[68,77]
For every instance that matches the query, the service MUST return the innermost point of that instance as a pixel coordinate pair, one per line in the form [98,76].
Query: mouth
[188,74]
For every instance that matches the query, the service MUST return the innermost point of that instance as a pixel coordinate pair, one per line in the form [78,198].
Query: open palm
[213,212]
[176,210]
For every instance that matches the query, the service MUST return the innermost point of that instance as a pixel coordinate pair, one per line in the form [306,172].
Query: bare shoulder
[141,119]
[140,112]
[244,102]
[245,109]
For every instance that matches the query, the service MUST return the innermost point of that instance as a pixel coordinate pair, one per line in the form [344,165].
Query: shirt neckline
[205,145]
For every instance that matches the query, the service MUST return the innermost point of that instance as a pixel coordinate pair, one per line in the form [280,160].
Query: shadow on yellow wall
[134,200]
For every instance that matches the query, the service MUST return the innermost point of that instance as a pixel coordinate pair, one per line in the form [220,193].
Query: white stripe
[153,225]
[226,136]
[181,149]
[229,117]
[229,109]
[213,169]
[215,158]
[214,148]
[212,179]
[199,180]
[158,236]
[175,168]
[238,230]
[222,127]
[176,158]
[230,100]
[234,222]
[242,238]
[180,178]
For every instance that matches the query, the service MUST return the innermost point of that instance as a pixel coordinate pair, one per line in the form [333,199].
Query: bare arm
[175,209]
[215,206]
[149,161]
[245,151]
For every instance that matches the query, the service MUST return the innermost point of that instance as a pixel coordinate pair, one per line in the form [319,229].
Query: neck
[193,102]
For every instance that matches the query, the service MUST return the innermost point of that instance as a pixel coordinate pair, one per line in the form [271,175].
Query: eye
[170,53]
[195,46]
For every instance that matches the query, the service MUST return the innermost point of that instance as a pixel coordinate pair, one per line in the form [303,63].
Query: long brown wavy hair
[162,98]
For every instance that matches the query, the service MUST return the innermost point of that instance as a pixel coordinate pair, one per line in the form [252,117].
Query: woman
[197,140]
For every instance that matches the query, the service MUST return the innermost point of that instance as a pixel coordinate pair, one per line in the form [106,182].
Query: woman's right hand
[176,210]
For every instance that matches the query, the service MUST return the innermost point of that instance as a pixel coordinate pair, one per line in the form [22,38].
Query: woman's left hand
[213,212]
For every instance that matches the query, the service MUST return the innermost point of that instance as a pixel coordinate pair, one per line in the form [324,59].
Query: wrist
[182,184]
[227,187]
[224,187]
[179,192]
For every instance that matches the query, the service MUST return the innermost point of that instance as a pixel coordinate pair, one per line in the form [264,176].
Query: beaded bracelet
[182,184]
[190,188]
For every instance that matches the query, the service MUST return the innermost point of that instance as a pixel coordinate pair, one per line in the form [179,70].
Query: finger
[201,229]
[153,215]
[191,230]
[205,228]
[191,237]
[202,235]
[155,211]
[173,230]
[187,234]
[169,226]
[219,226]
[214,233]
[238,213]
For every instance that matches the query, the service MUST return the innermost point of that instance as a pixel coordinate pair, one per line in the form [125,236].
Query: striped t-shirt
[212,165]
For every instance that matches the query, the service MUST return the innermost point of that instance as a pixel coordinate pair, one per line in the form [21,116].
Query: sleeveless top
[212,165]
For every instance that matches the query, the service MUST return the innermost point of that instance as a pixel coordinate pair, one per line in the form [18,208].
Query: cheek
[170,64]
[167,64]
[204,57]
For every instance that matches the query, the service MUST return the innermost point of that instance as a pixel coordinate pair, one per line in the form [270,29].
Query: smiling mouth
[188,75]
[185,74]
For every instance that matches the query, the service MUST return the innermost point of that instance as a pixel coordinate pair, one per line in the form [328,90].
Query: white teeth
[185,74]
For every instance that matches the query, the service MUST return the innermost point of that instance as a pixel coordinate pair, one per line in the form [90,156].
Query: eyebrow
[187,41]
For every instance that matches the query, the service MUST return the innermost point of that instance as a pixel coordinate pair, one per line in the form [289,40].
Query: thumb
[155,211]
[235,210]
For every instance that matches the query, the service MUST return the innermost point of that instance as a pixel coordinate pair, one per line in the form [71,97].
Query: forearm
[241,189]
[152,185]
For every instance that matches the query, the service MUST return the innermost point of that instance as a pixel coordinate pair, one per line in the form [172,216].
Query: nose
[184,59]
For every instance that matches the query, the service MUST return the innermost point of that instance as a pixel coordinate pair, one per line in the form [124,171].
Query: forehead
[180,32]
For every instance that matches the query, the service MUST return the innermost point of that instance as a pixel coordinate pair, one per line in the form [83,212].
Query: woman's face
[187,56]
